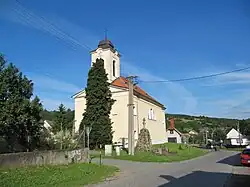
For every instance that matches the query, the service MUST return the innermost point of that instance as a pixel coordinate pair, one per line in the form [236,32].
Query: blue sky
[159,41]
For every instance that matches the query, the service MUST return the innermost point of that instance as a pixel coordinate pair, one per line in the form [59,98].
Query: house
[234,138]
[173,135]
[193,133]
[48,126]
[145,106]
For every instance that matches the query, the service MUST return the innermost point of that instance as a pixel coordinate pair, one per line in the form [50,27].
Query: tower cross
[106,34]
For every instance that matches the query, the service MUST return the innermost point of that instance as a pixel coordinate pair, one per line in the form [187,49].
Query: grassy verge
[72,175]
[185,153]
[233,149]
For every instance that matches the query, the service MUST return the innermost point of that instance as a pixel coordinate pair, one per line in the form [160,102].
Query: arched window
[114,68]
[135,112]
[151,114]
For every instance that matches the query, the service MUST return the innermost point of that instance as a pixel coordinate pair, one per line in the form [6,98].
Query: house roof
[233,133]
[174,129]
[122,82]
[106,44]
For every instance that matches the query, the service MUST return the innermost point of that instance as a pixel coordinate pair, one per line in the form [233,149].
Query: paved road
[240,177]
[213,170]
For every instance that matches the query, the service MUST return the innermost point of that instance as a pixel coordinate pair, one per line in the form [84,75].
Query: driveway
[213,169]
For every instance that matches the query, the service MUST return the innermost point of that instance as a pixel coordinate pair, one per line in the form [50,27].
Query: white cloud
[173,95]
[234,87]
[52,104]
[235,78]
[59,28]
[169,93]
[48,83]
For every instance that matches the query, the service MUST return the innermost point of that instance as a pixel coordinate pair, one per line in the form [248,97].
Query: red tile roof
[122,82]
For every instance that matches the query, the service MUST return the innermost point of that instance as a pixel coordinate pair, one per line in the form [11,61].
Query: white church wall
[80,105]
[174,134]
[108,56]
[155,125]
[119,115]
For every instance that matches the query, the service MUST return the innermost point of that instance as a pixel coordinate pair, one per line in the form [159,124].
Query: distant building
[234,138]
[173,135]
[192,133]
[48,126]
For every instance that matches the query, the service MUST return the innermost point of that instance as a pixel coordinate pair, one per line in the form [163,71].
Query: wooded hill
[51,115]
[185,123]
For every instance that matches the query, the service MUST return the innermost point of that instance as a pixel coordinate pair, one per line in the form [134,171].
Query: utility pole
[206,136]
[131,83]
[238,128]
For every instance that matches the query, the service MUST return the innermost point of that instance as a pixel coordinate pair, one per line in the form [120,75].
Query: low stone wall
[43,158]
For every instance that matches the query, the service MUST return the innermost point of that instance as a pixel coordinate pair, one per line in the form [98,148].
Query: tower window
[114,68]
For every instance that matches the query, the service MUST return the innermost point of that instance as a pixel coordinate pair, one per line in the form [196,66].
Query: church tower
[111,57]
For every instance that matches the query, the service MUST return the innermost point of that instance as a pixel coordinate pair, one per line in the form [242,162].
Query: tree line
[22,114]
[217,127]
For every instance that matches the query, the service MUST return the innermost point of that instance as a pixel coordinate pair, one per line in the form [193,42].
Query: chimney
[171,126]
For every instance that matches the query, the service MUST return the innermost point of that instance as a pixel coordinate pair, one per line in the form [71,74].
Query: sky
[49,41]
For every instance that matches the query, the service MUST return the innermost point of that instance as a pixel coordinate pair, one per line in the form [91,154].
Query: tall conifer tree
[98,106]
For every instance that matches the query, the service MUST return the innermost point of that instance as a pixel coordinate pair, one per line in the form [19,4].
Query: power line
[196,78]
[40,22]
[61,35]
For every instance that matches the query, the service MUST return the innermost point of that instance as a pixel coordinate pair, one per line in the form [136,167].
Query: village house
[235,139]
[145,106]
[173,135]
[192,133]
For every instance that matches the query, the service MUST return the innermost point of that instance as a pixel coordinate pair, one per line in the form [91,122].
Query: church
[145,106]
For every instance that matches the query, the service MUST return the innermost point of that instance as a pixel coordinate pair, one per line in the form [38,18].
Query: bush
[180,147]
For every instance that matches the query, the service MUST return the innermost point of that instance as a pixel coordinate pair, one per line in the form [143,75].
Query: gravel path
[213,169]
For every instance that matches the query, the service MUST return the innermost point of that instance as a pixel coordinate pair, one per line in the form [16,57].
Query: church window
[151,115]
[114,68]
[135,112]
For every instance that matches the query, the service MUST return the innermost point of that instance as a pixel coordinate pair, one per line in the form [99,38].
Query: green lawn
[72,175]
[183,154]
[233,149]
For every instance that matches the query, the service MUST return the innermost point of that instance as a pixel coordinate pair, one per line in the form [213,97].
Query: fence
[43,158]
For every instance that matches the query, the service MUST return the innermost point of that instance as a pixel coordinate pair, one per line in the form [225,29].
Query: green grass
[185,153]
[233,149]
[72,175]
